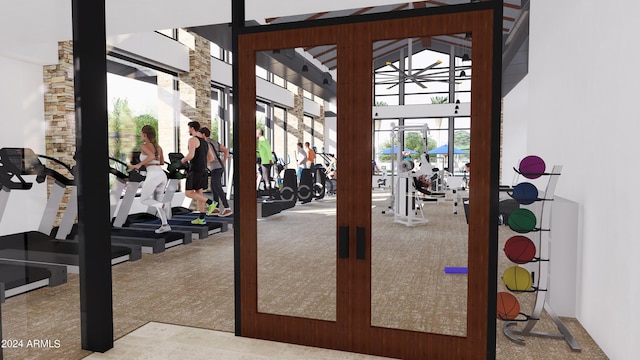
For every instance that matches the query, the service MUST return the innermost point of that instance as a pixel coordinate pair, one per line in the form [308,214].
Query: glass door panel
[296,225]
[419,233]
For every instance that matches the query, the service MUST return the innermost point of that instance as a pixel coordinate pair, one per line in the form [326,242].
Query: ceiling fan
[413,77]
[421,76]
[431,73]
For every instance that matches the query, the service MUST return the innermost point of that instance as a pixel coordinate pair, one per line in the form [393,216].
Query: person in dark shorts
[198,178]
[217,171]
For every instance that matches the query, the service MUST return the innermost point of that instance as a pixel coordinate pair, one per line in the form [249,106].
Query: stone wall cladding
[298,113]
[195,86]
[59,114]
[59,106]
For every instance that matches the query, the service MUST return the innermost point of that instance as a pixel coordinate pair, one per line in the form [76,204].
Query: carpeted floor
[193,285]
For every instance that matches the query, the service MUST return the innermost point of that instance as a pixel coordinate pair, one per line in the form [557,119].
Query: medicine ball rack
[542,260]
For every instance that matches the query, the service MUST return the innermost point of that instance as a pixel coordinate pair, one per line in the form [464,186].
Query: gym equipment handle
[360,243]
[343,242]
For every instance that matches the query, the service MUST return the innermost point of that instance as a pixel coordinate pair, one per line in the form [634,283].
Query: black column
[494,181]
[94,228]
[237,22]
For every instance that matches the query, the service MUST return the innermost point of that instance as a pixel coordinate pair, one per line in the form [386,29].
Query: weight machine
[407,199]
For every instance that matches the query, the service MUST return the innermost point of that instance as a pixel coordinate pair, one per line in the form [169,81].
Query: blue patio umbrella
[394,150]
[444,150]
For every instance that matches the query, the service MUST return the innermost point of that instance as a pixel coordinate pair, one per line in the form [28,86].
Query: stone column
[59,115]
[59,106]
[318,130]
[298,114]
[195,85]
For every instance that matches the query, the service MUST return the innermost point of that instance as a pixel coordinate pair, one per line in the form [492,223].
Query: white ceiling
[27,22]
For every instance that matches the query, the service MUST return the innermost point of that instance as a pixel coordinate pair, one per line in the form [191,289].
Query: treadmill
[123,193]
[149,221]
[15,277]
[39,246]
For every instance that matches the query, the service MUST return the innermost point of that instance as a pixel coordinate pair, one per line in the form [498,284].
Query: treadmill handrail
[6,181]
[133,176]
[31,164]
[66,166]
[66,181]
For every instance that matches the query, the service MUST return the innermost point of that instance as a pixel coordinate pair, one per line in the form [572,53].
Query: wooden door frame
[484,21]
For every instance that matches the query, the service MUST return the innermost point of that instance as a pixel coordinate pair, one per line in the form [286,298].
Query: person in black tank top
[199,161]
[197,178]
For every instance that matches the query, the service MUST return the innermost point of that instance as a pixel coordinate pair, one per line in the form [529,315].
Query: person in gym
[266,160]
[467,179]
[374,167]
[152,157]
[197,178]
[423,183]
[301,159]
[311,155]
[217,170]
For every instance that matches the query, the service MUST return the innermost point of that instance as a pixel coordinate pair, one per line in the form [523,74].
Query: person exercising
[217,170]
[423,183]
[197,178]
[266,160]
[301,160]
[465,178]
[311,155]
[153,186]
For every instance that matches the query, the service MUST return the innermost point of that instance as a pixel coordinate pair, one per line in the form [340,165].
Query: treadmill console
[23,161]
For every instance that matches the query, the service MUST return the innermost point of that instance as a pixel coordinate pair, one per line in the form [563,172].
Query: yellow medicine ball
[517,279]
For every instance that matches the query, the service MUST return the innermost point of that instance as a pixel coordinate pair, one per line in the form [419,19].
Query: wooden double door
[348,324]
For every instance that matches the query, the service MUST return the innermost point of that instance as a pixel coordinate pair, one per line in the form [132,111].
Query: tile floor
[164,341]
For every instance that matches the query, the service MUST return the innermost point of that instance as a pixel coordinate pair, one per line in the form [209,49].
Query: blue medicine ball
[525,193]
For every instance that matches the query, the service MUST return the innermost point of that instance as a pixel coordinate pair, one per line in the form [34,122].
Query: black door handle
[343,242]
[360,243]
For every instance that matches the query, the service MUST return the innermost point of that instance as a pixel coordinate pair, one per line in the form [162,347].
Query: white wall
[272,92]
[22,113]
[514,140]
[330,135]
[581,113]
[22,123]
[311,107]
